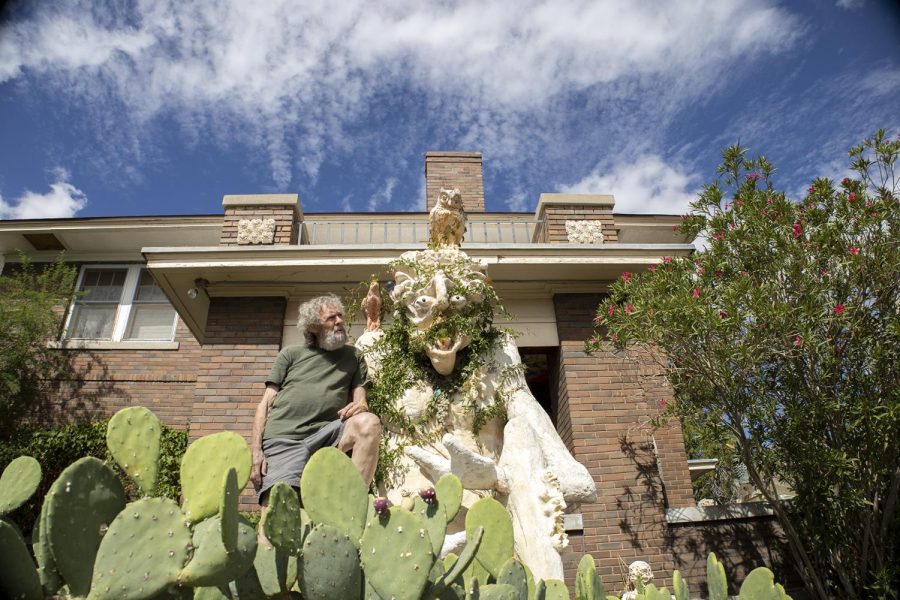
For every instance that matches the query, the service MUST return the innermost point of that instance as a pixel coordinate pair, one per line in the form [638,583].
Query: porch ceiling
[298,271]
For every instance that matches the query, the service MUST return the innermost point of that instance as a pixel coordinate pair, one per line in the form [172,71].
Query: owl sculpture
[447,220]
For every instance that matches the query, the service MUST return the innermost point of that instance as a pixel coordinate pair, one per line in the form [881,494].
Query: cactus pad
[435,522]
[556,590]
[334,493]
[396,555]
[497,546]
[329,567]
[83,501]
[513,574]
[228,511]
[716,583]
[276,571]
[19,481]
[212,564]
[281,523]
[50,579]
[760,585]
[18,578]
[133,437]
[679,587]
[498,591]
[143,551]
[588,585]
[203,468]
[449,494]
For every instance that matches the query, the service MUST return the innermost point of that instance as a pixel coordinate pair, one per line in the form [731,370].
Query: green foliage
[30,314]
[781,342]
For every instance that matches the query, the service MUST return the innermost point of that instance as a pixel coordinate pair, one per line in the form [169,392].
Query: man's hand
[259,468]
[354,408]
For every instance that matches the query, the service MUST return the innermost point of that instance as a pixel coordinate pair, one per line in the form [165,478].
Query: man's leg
[362,435]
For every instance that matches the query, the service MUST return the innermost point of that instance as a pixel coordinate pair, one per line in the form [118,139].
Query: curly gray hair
[309,315]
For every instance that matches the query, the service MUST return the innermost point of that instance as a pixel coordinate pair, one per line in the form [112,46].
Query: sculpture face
[443,297]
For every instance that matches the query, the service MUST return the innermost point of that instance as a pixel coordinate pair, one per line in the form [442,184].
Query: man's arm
[357,404]
[259,426]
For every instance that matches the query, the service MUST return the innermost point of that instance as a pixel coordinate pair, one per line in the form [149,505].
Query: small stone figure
[447,220]
[371,306]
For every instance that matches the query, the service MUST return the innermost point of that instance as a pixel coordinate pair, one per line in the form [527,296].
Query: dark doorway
[541,375]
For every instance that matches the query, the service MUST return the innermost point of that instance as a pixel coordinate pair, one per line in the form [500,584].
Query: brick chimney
[455,170]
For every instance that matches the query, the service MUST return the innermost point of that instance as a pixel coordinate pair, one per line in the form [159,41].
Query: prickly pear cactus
[329,567]
[228,511]
[557,590]
[513,574]
[497,546]
[435,522]
[680,587]
[396,555]
[449,494]
[82,503]
[19,481]
[588,585]
[143,552]
[50,578]
[203,468]
[334,493]
[133,437]
[282,524]
[273,571]
[716,582]
[760,585]
[212,564]
[18,578]
[498,591]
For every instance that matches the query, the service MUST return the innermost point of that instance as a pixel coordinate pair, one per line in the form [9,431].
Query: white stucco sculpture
[466,408]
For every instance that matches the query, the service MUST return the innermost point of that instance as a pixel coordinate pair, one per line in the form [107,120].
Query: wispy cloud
[647,184]
[851,4]
[382,198]
[291,80]
[62,201]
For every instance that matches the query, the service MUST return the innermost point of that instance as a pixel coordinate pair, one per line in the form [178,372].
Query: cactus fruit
[381,506]
[588,585]
[408,503]
[329,567]
[229,516]
[556,590]
[334,493]
[203,467]
[19,481]
[133,437]
[435,521]
[143,552]
[211,563]
[513,574]
[397,555]
[428,495]
[679,587]
[760,585]
[497,546]
[281,523]
[716,582]
[82,502]
[18,578]
[449,492]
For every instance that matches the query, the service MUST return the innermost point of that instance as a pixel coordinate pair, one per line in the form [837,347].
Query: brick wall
[555,209]
[284,208]
[610,397]
[243,336]
[450,170]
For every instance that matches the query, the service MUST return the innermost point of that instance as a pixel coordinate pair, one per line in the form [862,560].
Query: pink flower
[651,268]
[811,190]
[868,203]
[798,340]
[629,309]
[851,197]
[662,404]
[614,337]
[667,259]
[626,276]
[797,229]
[845,181]
[723,314]
[753,176]
[675,227]
[597,320]
[854,250]
[838,309]
[823,272]
[718,236]
[696,292]
[611,310]
[718,274]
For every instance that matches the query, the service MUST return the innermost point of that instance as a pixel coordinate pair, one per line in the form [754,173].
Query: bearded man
[315,397]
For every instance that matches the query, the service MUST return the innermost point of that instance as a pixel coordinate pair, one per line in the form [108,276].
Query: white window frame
[123,310]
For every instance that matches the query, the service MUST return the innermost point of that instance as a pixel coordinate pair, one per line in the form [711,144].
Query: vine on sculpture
[451,392]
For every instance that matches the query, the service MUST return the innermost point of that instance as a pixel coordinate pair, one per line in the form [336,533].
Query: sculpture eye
[422,300]
[458,300]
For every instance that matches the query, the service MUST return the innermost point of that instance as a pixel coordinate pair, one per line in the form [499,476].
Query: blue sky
[162,106]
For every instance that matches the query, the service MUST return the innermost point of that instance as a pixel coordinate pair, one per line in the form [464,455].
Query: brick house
[186,314]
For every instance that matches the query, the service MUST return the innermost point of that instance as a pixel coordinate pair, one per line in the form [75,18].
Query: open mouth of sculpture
[443,352]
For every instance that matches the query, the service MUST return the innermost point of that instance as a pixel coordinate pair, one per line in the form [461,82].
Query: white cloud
[645,185]
[851,4]
[382,198]
[62,201]
[289,79]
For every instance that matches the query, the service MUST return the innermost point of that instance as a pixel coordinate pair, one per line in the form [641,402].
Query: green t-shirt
[315,384]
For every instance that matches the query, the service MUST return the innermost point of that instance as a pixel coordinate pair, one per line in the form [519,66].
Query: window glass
[147,290]
[93,321]
[152,317]
[94,314]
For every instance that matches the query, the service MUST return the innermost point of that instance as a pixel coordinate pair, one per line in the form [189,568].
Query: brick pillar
[555,210]
[243,336]
[609,397]
[450,170]
[241,225]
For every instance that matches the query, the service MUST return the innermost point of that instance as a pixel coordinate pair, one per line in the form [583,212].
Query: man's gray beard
[332,340]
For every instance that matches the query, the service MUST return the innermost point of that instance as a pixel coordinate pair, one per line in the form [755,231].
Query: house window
[120,302]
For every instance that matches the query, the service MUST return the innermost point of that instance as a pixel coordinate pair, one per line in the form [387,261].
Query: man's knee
[368,424]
